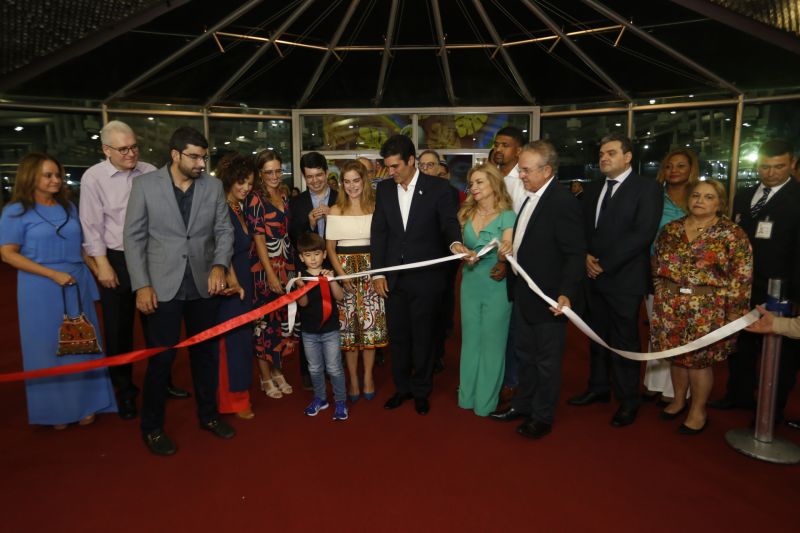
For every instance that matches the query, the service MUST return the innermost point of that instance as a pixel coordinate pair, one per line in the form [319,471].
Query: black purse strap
[64,297]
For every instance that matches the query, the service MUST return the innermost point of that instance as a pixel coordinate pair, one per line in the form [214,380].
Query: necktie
[759,205]
[607,198]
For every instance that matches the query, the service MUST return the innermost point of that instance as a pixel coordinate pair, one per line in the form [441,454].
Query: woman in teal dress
[485,309]
[40,236]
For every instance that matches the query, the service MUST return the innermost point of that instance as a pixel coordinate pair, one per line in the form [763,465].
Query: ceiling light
[95,137]
[646,146]
[226,143]
[151,118]
[672,112]
[652,101]
[579,142]
[618,124]
[19,128]
[240,138]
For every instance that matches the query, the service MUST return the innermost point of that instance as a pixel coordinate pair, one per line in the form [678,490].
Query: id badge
[764,230]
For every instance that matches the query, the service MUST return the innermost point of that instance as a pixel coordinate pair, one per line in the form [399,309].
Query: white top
[404,197]
[349,230]
[619,179]
[515,188]
[772,192]
[525,216]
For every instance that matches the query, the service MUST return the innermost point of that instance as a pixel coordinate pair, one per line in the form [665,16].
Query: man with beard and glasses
[178,241]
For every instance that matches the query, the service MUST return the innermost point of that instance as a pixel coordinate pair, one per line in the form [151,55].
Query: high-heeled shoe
[270,389]
[354,397]
[369,395]
[85,421]
[686,430]
[282,384]
[60,427]
[671,416]
[247,414]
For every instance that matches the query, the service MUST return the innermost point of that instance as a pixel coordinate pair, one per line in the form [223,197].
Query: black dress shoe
[158,442]
[509,415]
[794,424]
[623,417]
[533,429]
[589,397]
[397,400]
[174,393]
[663,415]
[438,366]
[422,406]
[218,427]
[686,430]
[126,409]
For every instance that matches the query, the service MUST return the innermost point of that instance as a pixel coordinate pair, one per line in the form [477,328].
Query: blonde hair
[719,188]
[694,171]
[502,200]
[367,193]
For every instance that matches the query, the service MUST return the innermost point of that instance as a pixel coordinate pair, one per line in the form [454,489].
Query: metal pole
[760,442]
[387,46]
[737,141]
[448,79]
[198,40]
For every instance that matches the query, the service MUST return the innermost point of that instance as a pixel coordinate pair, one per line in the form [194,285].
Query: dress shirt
[188,289]
[619,179]
[405,196]
[103,202]
[317,201]
[515,189]
[772,192]
[525,215]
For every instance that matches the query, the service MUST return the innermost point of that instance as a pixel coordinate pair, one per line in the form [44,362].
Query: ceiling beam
[448,79]
[387,51]
[610,83]
[333,44]
[611,15]
[223,90]
[186,48]
[521,86]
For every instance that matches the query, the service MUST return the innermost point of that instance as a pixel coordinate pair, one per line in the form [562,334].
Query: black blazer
[432,227]
[779,256]
[552,252]
[625,231]
[299,208]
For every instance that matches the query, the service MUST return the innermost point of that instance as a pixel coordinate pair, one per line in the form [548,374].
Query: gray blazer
[157,242]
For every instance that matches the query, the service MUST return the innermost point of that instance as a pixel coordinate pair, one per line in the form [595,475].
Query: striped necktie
[759,205]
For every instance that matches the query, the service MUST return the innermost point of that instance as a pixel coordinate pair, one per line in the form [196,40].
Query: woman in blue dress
[236,347]
[40,236]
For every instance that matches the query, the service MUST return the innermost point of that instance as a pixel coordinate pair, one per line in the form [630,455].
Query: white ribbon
[292,307]
[702,342]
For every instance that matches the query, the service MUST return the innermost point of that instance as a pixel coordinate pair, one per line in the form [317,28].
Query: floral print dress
[720,258]
[263,218]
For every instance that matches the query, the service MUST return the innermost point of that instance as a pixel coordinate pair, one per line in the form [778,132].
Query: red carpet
[384,471]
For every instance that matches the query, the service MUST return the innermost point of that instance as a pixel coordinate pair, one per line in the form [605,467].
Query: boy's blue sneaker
[340,411]
[316,406]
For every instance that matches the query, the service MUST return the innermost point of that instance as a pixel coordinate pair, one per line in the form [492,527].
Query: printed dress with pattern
[265,219]
[362,319]
[721,258]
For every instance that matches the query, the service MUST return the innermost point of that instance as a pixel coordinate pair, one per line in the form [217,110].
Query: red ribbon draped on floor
[138,355]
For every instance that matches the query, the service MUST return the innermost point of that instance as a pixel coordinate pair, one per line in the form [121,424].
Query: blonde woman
[361,315]
[487,214]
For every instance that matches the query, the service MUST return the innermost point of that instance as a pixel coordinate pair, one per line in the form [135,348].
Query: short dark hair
[514,133]
[310,242]
[624,140]
[776,148]
[235,168]
[313,160]
[184,136]
[398,145]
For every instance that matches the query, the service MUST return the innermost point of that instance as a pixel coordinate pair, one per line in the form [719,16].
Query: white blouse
[348,230]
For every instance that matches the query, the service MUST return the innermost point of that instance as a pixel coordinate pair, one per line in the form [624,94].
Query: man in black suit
[307,212]
[414,220]
[770,214]
[549,244]
[621,216]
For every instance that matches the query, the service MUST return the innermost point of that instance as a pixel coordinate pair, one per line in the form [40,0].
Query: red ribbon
[138,355]
[327,306]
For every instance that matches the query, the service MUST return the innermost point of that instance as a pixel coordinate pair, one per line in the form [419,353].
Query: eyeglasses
[525,170]
[425,166]
[277,172]
[195,157]
[125,150]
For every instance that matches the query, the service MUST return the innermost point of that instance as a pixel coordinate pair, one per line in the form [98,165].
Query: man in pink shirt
[105,188]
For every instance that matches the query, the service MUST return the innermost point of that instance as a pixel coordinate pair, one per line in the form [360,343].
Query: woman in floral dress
[702,272]
[267,214]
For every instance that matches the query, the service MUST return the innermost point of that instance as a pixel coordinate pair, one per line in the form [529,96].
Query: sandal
[282,384]
[85,421]
[270,389]
[60,427]
[247,414]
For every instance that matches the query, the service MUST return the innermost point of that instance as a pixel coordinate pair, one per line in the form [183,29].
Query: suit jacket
[778,256]
[158,243]
[624,233]
[432,227]
[552,252]
[299,208]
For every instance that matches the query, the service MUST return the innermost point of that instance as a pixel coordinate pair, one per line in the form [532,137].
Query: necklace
[486,213]
[698,229]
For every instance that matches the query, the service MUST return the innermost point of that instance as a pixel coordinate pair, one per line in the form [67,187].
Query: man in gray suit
[178,241]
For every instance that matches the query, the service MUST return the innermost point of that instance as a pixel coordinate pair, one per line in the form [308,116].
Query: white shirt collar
[411,185]
[619,179]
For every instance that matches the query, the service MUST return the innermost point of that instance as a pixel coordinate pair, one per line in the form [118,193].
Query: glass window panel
[709,132]
[354,132]
[250,137]
[761,123]
[576,139]
[467,130]
[154,131]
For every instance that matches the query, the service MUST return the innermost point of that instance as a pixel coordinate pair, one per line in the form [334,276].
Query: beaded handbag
[76,334]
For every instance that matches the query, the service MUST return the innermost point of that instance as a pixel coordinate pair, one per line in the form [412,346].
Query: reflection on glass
[153,133]
[250,137]
[356,132]
[761,123]
[576,139]
[467,130]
